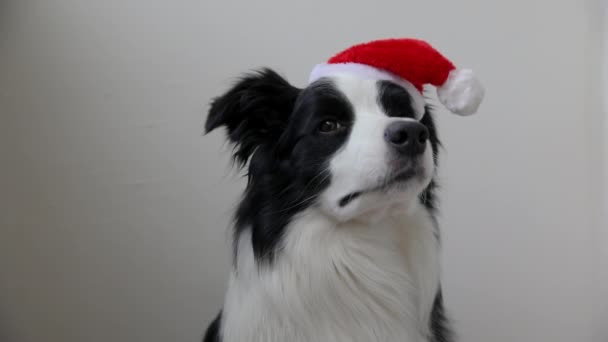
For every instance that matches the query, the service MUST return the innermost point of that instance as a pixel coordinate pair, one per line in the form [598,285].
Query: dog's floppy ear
[255,111]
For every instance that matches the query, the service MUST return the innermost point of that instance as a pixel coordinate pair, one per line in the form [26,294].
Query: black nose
[407,136]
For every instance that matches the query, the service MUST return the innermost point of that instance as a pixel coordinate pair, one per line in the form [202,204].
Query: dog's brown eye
[329,126]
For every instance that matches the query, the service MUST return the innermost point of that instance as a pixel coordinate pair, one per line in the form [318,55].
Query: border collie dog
[335,238]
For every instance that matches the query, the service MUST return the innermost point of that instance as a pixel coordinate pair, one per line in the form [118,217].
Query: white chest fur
[351,282]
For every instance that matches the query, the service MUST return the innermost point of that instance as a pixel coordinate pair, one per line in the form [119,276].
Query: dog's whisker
[297,199]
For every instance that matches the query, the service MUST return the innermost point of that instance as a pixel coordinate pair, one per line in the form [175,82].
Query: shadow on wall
[4,10]
[4,328]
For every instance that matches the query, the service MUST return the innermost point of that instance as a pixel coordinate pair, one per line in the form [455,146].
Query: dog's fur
[335,238]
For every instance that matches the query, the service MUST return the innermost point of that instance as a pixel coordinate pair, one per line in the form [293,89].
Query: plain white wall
[602,305]
[114,207]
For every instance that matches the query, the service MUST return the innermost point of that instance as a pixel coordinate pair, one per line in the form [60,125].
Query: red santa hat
[412,63]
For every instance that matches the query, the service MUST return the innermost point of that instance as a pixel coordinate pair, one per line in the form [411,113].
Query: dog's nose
[407,137]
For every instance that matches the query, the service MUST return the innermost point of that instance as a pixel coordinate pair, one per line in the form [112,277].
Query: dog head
[351,147]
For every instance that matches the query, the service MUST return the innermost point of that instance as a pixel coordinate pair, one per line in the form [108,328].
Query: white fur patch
[352,281]
[365,159]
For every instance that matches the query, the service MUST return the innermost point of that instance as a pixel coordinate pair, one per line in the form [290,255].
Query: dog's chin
[394,195]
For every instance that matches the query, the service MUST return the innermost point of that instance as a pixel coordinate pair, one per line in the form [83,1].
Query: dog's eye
[329,126]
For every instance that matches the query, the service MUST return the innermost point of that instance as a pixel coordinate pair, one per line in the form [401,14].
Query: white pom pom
[462,93]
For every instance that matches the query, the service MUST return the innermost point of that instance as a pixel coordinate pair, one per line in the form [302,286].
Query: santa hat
[412,63]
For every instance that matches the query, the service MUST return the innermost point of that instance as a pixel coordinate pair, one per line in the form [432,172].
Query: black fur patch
[428,196]
[213,331]
[439,323]
[395,100]
[254,112]
[275,127]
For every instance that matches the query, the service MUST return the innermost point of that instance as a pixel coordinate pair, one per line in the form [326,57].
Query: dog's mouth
[399,178]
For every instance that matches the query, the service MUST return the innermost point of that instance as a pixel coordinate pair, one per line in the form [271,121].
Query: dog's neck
[329,278]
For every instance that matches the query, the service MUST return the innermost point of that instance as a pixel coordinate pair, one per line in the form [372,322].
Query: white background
[114,209]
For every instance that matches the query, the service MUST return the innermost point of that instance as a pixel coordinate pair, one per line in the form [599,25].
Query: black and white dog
[335,237]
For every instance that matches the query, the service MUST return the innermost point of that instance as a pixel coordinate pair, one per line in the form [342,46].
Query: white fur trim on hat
[368,72]
[462,92]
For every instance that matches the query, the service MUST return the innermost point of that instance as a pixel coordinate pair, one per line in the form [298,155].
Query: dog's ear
[255,111]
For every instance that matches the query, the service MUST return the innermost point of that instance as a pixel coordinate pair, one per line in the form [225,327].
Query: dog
[336,237]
